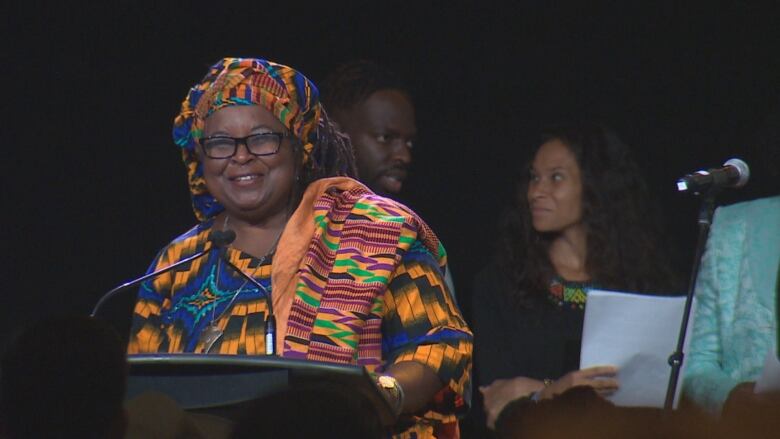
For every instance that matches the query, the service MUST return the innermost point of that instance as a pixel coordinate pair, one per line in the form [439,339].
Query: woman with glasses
[581,219]
[350,277]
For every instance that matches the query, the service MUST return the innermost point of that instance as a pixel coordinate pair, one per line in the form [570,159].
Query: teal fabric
[735,323]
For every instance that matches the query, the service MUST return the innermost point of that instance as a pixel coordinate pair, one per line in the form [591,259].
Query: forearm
[419,383]
[426,344]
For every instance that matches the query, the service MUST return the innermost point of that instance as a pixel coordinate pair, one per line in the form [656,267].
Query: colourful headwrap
[283,91]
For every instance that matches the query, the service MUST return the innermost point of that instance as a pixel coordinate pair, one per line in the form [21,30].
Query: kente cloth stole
[359,240]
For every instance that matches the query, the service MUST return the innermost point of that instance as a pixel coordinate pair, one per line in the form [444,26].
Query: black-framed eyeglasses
[224,147]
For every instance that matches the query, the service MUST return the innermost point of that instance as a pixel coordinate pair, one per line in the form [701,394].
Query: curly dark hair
[623,250]
[353,82]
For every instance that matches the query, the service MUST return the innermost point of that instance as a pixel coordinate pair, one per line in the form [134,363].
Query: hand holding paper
[636,333]
[600,378]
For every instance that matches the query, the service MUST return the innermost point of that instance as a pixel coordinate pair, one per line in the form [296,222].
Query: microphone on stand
[270,321]
[734,173]
[219,240]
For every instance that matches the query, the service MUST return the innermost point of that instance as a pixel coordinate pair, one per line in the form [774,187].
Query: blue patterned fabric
[735,322]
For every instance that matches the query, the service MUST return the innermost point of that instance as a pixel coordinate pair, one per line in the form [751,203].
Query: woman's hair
[623,250]
[64,376]
[331,156]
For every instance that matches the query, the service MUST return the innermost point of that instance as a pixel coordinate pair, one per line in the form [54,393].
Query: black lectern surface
[197,381]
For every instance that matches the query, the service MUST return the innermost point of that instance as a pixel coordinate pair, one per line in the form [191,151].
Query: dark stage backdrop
[95,186]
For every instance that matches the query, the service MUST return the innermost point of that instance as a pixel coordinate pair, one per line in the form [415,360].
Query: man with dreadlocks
[352,277]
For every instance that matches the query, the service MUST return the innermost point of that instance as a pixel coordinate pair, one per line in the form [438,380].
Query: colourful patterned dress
[369,291]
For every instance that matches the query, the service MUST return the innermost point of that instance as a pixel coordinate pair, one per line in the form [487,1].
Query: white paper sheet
[769,381]
[637,333]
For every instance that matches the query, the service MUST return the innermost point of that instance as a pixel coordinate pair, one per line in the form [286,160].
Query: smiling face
[251,188]
[555,189]
[382,131]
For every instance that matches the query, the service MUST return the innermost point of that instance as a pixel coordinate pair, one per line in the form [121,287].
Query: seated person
[581,219]
[352,277]
[64,377]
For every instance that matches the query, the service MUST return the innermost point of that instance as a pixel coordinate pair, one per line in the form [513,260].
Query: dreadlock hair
[353,82]
[623,248]
[331,156]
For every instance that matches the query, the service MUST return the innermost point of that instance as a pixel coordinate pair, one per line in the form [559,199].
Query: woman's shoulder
[348,205]
[194,238]
[381,208]
[348,197]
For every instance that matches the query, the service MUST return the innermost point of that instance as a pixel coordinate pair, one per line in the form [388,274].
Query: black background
[96,185]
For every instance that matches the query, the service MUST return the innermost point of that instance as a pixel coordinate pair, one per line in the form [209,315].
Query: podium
[222,383]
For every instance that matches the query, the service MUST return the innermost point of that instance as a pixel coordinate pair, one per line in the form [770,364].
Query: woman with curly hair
[581,220]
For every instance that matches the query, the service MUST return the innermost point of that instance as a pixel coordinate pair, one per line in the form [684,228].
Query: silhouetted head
[310,410]
[64,376]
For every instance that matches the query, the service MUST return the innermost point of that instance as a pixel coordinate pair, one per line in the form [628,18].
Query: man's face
[382,131]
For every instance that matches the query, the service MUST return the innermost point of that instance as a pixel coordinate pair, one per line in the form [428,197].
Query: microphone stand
[270,321]
[706,211]
[147,276]
[218,239]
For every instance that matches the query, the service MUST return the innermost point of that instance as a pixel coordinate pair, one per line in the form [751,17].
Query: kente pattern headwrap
[283,91]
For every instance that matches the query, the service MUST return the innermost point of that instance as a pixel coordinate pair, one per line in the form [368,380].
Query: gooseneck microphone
[270,321]
[222,238]
[219,240]
[734,173]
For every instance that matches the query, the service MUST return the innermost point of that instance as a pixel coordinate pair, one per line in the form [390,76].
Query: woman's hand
[501,392]
[418,382]
[600,378]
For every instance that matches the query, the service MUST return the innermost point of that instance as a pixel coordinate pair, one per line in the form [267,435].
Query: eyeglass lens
[257,144]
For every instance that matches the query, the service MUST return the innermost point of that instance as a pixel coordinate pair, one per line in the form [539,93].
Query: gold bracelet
[547,382]
[391,386]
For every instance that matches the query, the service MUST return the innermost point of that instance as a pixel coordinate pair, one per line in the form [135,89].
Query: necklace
[212,333]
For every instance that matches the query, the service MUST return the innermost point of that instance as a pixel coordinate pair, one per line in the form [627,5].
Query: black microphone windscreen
[221,238]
